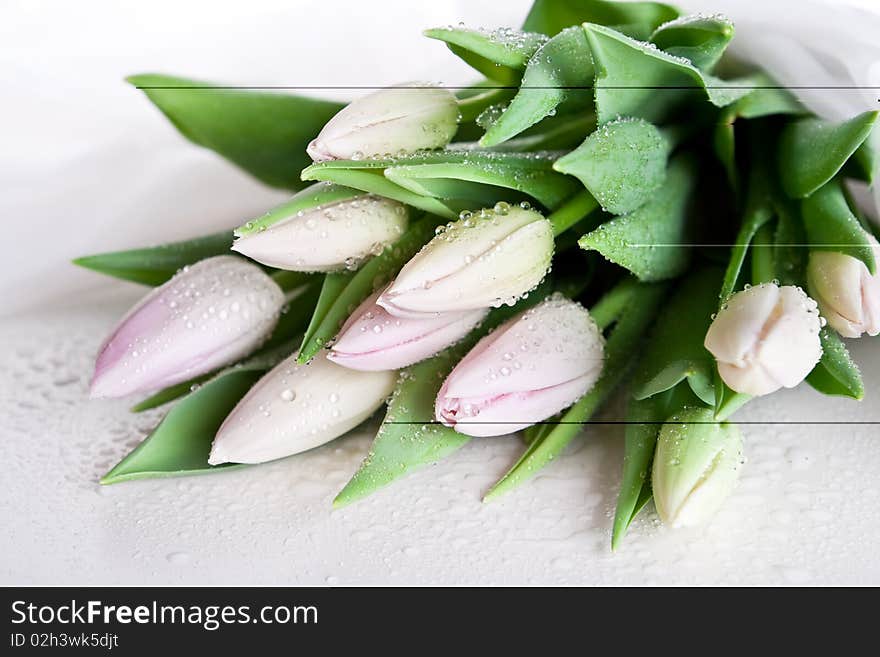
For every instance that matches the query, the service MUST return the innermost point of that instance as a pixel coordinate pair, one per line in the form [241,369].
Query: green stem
[572,211]
[763,266]
[607,309]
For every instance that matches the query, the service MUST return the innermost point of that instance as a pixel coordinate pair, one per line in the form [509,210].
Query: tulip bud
[294,408]
[528,369]
[208,315]
[847,293]
[765,338]
[373,340]
[490,258]
[328,237]
[696,465]
[393,121]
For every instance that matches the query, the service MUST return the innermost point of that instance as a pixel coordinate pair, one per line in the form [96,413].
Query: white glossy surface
[805,510]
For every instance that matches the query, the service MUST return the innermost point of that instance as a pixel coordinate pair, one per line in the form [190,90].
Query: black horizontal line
[626,422]
[147,87]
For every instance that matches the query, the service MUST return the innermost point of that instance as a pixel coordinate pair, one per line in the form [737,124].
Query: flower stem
[289,280]
[607,309]
[763,265]
[572,211]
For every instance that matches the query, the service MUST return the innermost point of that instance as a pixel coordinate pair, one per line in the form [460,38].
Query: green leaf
[155,265]
[635,79]
[836,373]
[727,400]
[181,443]
[621,351]
[812,151]
[638,19]
[700,39]
[622,164]
[561,71]
[454,175]
[306,199]
[373,181]
[497,54]
[264,133]
[343,292]
[831,225]
[280,343]
[409,438]
[675,351]
[642,428]
[651,242]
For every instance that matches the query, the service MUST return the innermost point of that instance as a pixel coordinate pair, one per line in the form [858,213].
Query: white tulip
[328,237]
[847,293]
[765,338]
[208,315]
[490,258]
[696,466]
[294,408]
[393,121]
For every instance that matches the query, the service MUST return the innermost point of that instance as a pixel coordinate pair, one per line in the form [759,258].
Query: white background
[88,165]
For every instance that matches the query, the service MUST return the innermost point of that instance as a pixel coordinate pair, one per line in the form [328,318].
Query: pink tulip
[373,340]
[527,370]
[210,314]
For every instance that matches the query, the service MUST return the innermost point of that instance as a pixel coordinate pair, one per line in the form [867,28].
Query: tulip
[373,340]
[696,465]
[478,261]
[528,369]
[208,315]
[765,338]
[329,237]
[393,121]
[294,408]
[847,293]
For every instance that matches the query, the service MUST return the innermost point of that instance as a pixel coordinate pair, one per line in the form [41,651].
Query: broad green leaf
[622,164]
[651,242]
[643,417]
[409,438]
[373,181]
[306,199]
[561,71]
[343,292]
[836,373]
[831,225]
[675,350]
[864,165]
[699,39]
[497,54]
[621,350]
[294,317]
[812,151]
[181,443]
[155,265]
[554,133]
[264,133]
[636,79]
[638,19]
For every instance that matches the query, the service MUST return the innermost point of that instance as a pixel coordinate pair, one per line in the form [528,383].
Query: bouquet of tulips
[615,208]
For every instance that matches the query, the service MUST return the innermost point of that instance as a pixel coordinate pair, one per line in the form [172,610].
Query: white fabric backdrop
[88,165]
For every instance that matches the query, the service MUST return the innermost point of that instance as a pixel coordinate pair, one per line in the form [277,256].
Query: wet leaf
[638,19]
[264,133]
[622,164]
[155,265]
[812,151]
[560,72]
[700,39]
[498,54]
[635,79]
[651,241]
[836,373]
